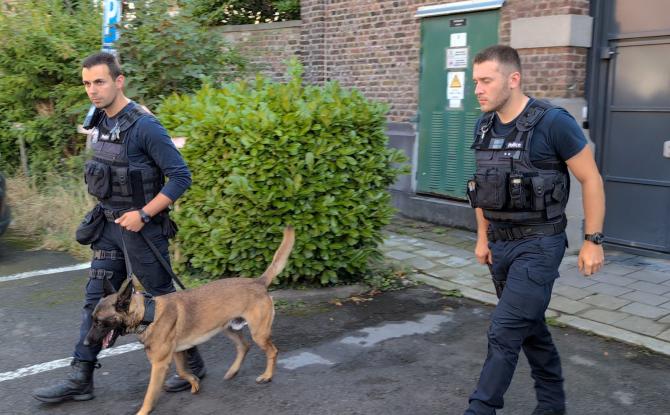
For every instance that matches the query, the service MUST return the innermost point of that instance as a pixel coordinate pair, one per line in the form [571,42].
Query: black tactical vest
[507,185]
[108,174]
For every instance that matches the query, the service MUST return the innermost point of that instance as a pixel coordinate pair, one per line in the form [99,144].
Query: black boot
[77,386]
[175,383]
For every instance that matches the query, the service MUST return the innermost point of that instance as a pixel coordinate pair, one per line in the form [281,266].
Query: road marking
[57,364]
[30,274]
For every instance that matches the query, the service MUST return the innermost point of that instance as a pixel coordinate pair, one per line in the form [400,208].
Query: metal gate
[631,94]
[448,109]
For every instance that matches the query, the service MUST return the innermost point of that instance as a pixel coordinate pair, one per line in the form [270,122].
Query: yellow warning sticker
[455,85]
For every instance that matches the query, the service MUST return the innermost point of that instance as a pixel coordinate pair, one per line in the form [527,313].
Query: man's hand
[591,258]
[482,251]
[131,221]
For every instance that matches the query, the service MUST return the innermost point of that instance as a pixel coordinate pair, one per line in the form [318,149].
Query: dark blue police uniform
[527,242]
[132,153]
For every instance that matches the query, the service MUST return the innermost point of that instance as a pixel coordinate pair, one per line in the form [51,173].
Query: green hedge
[264,155]
[41,46]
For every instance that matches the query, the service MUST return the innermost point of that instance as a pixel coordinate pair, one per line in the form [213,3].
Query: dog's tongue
[107,339]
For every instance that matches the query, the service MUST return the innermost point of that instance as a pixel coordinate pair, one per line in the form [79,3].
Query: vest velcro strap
[113,255]
[100,274]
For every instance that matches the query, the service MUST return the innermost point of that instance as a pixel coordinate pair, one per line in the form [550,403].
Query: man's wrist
[596,238]
[146,218]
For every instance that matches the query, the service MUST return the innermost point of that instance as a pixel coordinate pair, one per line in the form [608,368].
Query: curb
[318,294]
[582,324]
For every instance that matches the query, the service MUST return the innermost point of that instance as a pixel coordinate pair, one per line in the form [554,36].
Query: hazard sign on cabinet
[455,85]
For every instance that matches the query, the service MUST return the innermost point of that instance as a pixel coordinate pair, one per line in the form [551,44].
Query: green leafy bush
[41,97]
[264,155]
[166,50]
[222,12]
[42,44]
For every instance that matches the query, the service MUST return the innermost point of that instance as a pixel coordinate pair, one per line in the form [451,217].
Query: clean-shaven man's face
[101,89]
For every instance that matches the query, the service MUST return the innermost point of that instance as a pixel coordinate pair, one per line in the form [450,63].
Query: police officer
[524,149]
[132,154]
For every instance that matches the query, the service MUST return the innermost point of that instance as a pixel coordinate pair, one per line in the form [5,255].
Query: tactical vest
[507,185]
[108,174]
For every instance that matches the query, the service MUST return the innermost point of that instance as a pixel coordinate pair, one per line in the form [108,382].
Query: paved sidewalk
[628,300]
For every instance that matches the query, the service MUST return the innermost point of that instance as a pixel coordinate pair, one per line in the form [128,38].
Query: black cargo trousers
[108,263]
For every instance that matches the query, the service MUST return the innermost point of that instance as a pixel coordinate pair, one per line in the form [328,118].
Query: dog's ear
[108,288]
[125,294]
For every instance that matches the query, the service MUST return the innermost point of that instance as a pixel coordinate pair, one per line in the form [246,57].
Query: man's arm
[482,251]
[583,167]
[159,147]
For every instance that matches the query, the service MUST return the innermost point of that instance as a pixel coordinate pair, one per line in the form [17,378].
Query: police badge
[94,135]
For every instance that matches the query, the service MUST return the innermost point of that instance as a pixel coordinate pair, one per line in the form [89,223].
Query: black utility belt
[525,231]
[113,214]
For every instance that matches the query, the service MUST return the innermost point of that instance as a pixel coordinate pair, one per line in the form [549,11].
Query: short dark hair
[503,54]
[103,58]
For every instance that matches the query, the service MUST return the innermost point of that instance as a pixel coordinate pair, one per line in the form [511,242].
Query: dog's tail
[280,258]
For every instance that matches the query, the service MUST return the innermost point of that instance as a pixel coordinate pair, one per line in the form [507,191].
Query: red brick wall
[266,46]
[374,45]
[519,9]
[557,72]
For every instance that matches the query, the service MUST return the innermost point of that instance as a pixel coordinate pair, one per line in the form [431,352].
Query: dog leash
[157,254]
[162,261]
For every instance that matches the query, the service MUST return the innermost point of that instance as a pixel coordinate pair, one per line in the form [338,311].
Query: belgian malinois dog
[187,318]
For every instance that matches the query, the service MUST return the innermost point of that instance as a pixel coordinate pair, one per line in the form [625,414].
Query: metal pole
[111,18]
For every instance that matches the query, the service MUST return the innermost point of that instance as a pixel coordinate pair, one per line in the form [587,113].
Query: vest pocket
[122,184]
[98,179]
[490,189]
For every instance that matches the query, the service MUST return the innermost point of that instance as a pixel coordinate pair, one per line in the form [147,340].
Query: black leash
[129,267]
[158,255]
[162,260]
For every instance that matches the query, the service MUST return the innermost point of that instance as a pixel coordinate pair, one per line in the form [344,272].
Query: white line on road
[29,274]
[57,364]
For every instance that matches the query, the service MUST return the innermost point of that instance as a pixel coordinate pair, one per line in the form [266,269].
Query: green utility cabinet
[448,109]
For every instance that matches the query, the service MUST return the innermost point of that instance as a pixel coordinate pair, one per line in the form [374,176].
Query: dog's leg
[184,371]
[159,368]
[242,348]
[260,332]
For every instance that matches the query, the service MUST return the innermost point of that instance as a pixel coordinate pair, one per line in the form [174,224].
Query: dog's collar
[149,311]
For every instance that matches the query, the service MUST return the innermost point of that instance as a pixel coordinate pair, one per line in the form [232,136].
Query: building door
[635,123]
[448,109]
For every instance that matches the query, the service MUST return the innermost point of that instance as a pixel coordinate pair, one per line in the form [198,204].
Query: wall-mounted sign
[457,58]
[458,22]
[458,40]
[455,85]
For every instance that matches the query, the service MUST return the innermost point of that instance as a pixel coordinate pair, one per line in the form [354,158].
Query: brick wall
[374,45]
[557,72]
[266,46]
[313,16]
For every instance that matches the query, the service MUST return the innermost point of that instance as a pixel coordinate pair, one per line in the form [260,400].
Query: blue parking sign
[111,17]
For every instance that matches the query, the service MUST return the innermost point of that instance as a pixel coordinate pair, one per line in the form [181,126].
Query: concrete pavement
[628,300]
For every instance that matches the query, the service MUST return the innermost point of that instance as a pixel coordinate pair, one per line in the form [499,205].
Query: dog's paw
[195,385]
[262,379]
[230,374]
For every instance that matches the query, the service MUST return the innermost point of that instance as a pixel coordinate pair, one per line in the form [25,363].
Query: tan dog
[184,319]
